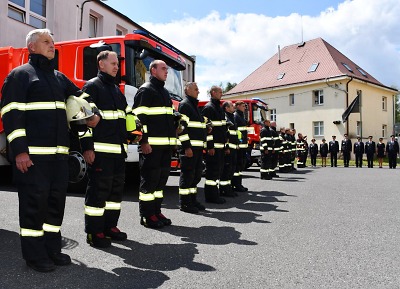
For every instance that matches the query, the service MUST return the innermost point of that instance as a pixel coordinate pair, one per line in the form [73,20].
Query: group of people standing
[359,148]
[38,125]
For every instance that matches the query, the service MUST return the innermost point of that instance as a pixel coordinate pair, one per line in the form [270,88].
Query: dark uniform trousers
[359,159]
[105,189]
[154,172]
[370,160]
[191,172]
[230,161]
[240,165]
[333,159]
[266,169]
[392,156]
[42,193]
[214,168]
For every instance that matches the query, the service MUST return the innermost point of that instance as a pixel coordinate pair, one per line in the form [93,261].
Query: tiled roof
[295,62]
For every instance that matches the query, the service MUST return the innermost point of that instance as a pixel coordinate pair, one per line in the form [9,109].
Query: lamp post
[83,4]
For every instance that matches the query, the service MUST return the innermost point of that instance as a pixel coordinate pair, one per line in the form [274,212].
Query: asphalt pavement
[314,228]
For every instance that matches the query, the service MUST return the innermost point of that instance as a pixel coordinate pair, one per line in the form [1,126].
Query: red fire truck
[77,59]
[256,112]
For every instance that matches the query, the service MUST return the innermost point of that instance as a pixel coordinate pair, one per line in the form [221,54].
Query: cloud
[230,47]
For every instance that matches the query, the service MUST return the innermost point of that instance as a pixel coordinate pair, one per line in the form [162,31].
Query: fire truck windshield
[137,71]
[259,113]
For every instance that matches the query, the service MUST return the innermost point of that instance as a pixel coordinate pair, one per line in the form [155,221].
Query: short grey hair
[188,85]
[34,35]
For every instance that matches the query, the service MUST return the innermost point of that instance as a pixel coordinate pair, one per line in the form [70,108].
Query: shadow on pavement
[15,273]
[209,235]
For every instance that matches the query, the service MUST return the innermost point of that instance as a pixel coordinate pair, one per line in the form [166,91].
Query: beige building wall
[63,18]
[303,114]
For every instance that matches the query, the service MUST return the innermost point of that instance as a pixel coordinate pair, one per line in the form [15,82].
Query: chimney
[279,54]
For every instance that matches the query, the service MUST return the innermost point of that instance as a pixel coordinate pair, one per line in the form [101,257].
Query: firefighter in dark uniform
[243,146]
[153,106]
[276,151]
[35,122]
[358,150]
[292,148]
[333,150]
[193,140]
[313,149]
[105,149]
[301,150]
[284,157]
[370,149]
[267,149]
[346,149]
[216,142]
[392,149]
[230,159]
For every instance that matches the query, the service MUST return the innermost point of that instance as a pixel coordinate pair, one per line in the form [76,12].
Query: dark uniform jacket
[313,148]
[153,106]
[33,110]
[323,149]
[334,147]
[370,147]
[346,145]
[109,137]
[213,111]
[195,133]
[266,140]
[232,135]
[392,147]
[358,148]
[242,127]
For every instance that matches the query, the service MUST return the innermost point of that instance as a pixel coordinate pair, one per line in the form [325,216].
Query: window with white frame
[291,99]
[291,125]
[358,128]
[318,128]
[273,114]
[384,103]
[93,22]
[31,12]
[318,97]
[384,130]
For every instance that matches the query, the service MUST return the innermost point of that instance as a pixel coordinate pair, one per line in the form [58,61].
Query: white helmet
[78,111]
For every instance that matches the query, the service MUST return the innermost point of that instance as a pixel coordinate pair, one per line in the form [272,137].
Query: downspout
[347,105]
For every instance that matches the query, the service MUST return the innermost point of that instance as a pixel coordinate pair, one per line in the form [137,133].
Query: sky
[232,38]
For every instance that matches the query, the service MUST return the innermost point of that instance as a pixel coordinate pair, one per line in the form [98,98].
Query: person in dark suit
[323,150]
[392,149]
[370,149]
[346,150]
[313,149]
[333,150]
[358,150]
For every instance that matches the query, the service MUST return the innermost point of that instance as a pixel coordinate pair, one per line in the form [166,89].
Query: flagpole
[361,124]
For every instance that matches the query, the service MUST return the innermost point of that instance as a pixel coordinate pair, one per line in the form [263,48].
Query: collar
[105,77]
[156,81]
[42,62]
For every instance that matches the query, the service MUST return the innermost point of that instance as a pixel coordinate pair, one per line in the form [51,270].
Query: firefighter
[230,158]
[243,146]
[105,149]
[276,151]
[301,151]
[267,149]
[292,148]
[35,122]
[193,140]
[153,107]
[216,141]
[284,155]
